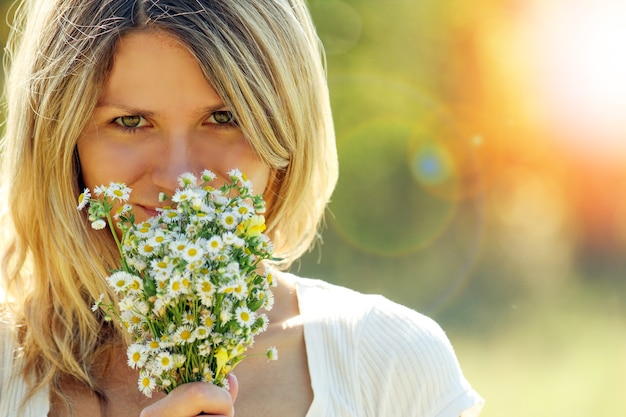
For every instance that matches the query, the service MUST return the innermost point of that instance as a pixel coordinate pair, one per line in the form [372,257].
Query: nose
[175,158]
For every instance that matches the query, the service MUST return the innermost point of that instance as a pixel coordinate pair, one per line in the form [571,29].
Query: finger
[191,399]
[233,384]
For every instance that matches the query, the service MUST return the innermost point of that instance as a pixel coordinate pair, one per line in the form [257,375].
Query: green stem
[117,241]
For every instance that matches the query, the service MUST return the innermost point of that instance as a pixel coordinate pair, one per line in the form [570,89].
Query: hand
[196,399]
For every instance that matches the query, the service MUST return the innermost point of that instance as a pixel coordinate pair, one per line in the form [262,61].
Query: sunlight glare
[582,72]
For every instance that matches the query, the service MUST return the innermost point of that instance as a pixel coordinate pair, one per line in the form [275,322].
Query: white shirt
[371,357]
[367,357]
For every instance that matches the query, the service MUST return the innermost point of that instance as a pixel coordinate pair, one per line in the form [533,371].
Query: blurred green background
[483,157]
[482,150]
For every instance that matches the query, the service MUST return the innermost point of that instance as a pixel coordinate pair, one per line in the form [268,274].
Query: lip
[147,211]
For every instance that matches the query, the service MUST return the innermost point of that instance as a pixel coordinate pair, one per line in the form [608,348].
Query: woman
[139,91]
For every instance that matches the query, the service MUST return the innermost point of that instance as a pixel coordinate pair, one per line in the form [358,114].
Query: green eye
[223,116]
[129,121]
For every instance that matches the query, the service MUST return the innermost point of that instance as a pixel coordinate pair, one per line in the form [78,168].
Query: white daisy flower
[225,384]
[238,176]
[244,316]
[99,190]
[208,320]
[183,335]
[137,355]
[178,246]
[235,174]
[244,210]
[229,220]
[187,179]
[205,289]
[189,317]
[166,343]
[187,283]
[118,191]
[208,176]
[132,320]
[83,199]
[146,383]
[134,284]
[176,286]
[202,216]
[192,253]
[201,332]
[164,361]
[141,307]
[169,216]
[192,229]
[162,268]
[214,244]
[143,230]
[240,289]
[119,280]
[157,238]
[227,288]
[182,195]
[153,346]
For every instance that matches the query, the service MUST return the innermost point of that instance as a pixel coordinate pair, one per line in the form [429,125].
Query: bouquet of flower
[190,285]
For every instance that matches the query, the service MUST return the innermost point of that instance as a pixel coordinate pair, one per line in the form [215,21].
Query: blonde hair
[261,56]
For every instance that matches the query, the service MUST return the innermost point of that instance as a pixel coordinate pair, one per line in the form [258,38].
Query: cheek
[260,177]
[102,162]
[222,157]
[270,192]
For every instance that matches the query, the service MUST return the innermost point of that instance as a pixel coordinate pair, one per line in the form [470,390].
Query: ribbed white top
[371,357]
[13,389]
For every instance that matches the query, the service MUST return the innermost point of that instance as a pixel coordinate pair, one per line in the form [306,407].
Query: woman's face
[158,117]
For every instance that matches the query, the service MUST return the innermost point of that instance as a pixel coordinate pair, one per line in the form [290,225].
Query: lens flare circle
[378,206]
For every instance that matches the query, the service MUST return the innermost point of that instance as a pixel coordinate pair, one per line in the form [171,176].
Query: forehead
[151,41]
[154,67]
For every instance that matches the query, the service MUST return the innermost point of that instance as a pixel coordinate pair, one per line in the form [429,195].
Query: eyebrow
[136,110]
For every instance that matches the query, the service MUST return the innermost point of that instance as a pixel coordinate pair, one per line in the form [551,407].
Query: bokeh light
[400,215]
[402,157]
[577,47]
